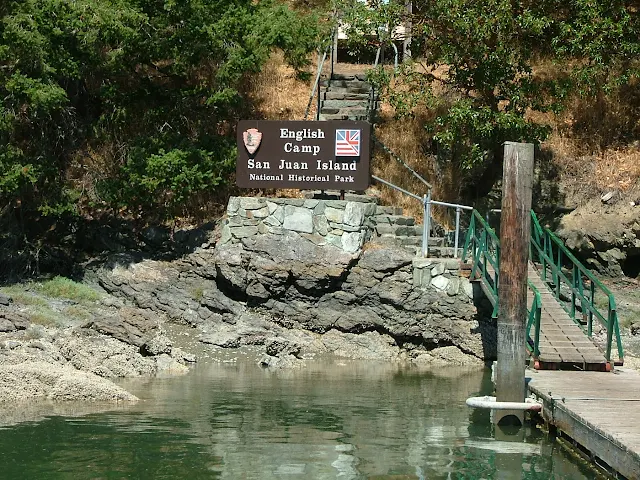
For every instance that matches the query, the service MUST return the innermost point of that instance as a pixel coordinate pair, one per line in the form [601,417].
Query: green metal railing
[535,314]
[581,294]
[484,246]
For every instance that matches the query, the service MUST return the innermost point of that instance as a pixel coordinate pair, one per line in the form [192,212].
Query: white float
[491,403]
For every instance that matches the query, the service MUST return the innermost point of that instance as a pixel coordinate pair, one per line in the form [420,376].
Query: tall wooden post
[517,184]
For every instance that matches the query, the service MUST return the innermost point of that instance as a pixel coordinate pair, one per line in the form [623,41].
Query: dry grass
[403,138]
[590,144]
[592,165]
[278,94]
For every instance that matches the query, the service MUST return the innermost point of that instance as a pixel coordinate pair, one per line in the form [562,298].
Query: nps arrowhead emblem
[252,138]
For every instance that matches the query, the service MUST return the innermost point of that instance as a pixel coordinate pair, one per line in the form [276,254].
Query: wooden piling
[517,184]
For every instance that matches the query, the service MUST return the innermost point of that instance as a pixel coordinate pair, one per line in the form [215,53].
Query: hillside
[582,159]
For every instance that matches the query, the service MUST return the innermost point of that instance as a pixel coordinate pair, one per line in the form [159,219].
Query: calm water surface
[327,421]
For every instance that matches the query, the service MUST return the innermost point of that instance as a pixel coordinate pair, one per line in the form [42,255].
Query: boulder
[279,346]
[606,238]
[10,322]
[31,380]
[129,325]
[158,345]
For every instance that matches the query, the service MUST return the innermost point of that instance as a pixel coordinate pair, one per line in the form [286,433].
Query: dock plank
[605,420]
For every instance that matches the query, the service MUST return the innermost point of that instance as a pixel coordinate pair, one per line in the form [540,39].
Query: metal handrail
[535,315]
[426,212]
[484,246]
[551,253]
[399,160]
[316,85]
[379,52]
[395,187]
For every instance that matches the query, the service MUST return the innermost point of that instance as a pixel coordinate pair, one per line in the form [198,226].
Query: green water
[327,421]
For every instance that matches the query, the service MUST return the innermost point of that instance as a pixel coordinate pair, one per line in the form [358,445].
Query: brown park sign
[325,155]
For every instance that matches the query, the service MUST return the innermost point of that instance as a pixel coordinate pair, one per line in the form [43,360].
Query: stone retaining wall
[443,274]
[344,224]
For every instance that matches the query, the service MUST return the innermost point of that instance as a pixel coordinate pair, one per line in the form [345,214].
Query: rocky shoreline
[282,292]
[288,295]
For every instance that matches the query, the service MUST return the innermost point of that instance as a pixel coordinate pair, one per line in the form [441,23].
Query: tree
[473,68]
[136,98]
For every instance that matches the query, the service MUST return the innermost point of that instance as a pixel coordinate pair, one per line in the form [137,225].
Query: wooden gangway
[566,305]
[562,342]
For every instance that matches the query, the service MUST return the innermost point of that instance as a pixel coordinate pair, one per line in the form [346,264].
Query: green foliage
[474,76]
[62,287]
[604,37]
[21,295]
[154,86]
[45,316]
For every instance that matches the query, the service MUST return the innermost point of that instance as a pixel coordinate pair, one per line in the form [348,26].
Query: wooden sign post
[517,185]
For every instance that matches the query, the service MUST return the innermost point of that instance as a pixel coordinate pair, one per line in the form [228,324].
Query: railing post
[334,49]
[319,102]
[468,241]
[537,337]
[485,240]
[544,257]
[426,233]
[592,289]
[395,49]
[618,339]
[455,248]
[573,290]
[559,271]
[610,327]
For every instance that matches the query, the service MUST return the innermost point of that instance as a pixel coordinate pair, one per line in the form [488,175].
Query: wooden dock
[562,341]
[597,411]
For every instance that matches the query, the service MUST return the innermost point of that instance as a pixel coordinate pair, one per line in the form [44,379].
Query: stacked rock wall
[441,274]
[344,224]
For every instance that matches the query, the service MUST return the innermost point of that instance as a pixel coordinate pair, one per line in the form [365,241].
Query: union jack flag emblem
[347,143]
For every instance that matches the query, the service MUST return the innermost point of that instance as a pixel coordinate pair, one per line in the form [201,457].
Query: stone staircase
[346,97]
[349,97]
[392,227]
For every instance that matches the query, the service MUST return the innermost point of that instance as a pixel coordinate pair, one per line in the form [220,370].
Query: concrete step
[330,111]
[350,84]
[344,104]
[388,210]
[349,90]
[394,219]
[442,252]
[343,116]
[349,76]
[350,112]
[346,96]
[398,230]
